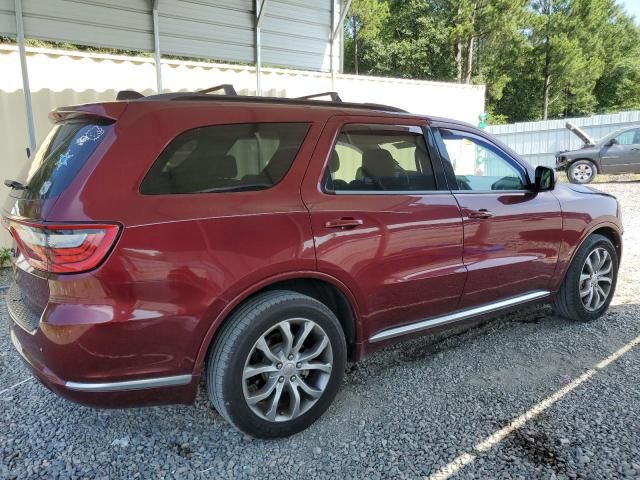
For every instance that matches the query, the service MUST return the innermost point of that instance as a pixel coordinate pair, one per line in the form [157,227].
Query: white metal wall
[295,33]
[538,142]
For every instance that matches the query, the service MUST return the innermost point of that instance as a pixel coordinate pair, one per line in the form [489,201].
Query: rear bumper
[41,350]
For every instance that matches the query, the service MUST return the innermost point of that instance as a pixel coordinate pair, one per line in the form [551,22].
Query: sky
[632,7]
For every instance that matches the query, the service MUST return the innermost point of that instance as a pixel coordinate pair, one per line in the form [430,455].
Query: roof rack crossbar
[332,95]
[227,88]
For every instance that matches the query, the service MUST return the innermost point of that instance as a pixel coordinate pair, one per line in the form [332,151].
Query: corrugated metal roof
[295,33]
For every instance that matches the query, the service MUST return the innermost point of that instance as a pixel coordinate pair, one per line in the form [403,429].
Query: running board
[457,316]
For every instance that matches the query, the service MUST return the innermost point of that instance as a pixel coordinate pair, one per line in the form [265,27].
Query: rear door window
[372,158]
[226,158]
[61,155]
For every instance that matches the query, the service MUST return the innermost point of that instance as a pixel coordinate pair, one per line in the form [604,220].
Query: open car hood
[581,134]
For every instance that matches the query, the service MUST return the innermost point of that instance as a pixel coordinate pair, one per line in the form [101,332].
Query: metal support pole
[31,128]
[335,31]
[260,4]
[343,15]
[156,45]
[332,57]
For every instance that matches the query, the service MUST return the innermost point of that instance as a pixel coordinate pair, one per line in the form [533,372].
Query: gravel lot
[402,413]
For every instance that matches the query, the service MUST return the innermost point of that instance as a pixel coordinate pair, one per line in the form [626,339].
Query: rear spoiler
[106,111]
[581,134]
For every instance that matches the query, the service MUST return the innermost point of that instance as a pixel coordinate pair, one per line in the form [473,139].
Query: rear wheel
[277,364]
[590,281]
[582,171]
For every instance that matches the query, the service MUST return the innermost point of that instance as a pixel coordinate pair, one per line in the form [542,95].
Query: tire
[582,172]
[570,300]
[239,350]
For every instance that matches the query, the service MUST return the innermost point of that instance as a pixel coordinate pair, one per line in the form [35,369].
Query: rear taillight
[69,248]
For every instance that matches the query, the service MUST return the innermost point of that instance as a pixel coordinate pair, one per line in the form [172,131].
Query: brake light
[70,248]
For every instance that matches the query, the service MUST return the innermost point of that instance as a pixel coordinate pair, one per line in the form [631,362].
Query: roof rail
[230,95]
[227,88]
[332,95]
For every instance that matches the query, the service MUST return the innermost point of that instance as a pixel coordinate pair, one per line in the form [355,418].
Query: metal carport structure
[285,33]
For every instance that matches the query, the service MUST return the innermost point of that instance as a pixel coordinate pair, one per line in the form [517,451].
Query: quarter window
[226,158]
[478,164]
[380,158]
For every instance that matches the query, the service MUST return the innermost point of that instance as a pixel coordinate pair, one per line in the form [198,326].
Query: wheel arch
[608,229]
[324,288]
[595,162]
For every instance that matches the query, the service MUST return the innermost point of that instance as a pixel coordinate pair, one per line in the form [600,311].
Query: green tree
[362,24]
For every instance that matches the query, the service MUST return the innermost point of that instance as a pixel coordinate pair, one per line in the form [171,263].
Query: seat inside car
[381,172]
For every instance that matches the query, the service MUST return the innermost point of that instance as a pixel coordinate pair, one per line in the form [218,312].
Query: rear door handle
[344,223]
[482,213]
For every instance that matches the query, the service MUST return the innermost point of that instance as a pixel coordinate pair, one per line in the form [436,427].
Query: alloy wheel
[287,370]
[595,279]
[582,173]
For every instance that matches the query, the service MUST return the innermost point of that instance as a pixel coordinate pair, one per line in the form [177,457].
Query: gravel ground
[402,413]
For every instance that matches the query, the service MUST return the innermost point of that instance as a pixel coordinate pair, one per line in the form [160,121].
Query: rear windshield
[61,155]
[226,158]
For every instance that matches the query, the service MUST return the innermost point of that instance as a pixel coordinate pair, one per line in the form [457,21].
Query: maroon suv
[261,243]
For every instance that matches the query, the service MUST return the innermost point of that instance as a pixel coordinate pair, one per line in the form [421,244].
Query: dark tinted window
[60,157]
[226,158]
[380,158]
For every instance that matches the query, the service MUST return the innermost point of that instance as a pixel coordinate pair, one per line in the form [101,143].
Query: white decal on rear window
[45,188]
[63,159]
[93,134]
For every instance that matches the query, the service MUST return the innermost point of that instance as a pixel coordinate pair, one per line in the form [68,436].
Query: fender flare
[219,320]
[585,234]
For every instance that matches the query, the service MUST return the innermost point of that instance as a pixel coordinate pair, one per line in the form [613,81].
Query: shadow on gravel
[456,337]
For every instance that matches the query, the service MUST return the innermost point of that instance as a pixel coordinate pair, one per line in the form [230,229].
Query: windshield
[60,157]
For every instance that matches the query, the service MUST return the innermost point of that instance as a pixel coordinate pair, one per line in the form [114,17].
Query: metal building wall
[295,33]
[538,142]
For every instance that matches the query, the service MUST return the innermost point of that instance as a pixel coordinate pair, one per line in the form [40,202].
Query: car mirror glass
[545,179]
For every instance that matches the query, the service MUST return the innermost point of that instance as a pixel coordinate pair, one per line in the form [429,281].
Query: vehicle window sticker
[92,134]
[63,159]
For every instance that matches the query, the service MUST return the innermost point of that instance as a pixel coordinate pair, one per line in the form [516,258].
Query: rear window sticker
[92,134]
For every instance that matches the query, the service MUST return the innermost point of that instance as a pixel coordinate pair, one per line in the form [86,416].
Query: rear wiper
[15,184]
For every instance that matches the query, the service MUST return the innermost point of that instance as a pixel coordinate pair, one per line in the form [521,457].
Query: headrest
[334,162]
[279,164]
[378,163]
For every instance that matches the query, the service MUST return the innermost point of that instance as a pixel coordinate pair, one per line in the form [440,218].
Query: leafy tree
[538,58]
[363,23]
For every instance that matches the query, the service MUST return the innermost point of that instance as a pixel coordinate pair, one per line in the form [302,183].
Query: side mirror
[545,179]
[611,143]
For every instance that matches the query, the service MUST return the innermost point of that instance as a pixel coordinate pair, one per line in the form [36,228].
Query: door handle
[482,213]
[635,149]
[344,223]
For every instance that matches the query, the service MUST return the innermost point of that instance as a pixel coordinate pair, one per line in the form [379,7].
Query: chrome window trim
[417,193]
[457,316]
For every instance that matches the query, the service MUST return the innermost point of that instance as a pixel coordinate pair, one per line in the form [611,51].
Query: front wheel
[590,281]
[277,364]
[582,172]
